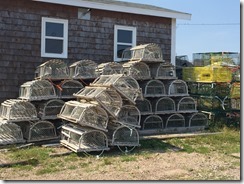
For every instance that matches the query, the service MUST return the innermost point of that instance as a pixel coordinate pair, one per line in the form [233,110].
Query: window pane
[120,50]
[124,36]
[54,46]
[54,29]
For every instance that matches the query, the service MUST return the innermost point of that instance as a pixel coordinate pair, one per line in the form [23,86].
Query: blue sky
[204,38]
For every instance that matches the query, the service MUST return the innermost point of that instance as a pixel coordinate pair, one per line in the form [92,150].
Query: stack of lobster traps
[214,82]
[166,106]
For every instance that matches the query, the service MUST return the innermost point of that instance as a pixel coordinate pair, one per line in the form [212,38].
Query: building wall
[20,38]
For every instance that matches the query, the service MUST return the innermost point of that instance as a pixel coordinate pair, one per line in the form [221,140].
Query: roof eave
[119,8]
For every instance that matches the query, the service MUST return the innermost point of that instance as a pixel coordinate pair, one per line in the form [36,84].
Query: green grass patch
[128,158]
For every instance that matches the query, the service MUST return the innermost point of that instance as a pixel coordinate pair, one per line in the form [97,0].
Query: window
[54,41]
[124,37]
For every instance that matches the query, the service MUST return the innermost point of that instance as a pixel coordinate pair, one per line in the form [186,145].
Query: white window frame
[64,38]
[116,43]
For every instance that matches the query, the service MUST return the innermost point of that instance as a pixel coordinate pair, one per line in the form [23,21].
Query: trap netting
[17,110]
[109,68]
[54,69]
[10,133]
[126,86]
[153,88]
[175,121]
[152,122]
[148,53]
[80,139]
[67,88]
[198,120]
[236,104]
[144,106]
[162,71]
[37,90]
[122,135]
[186,104]
[137,70]
[84,69]
[129,115]
[50,109]
[164,105]
[85,114]
[108,98]
[177,88]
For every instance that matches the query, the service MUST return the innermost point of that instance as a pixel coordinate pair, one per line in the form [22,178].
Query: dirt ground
[170,165]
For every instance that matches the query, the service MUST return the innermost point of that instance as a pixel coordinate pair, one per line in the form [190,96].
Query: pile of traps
[103,116]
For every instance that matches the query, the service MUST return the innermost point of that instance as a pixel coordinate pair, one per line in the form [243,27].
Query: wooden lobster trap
[144,106]
[109,68]
[38,130]
[177,88]
[148,53]
[85,114]
[54,69]
[198,120]
[129,115]
[124,137]
[50,109]
[162,71]
[153,88]
[37,90]
[175,121]
[67,88]
[84,69]
[126,86]
[186,105]
[235,103]
[10,133]
[235,90]
[164,105]
[80,139]
[17,110]
[152,122]
[108,98]
[137,70]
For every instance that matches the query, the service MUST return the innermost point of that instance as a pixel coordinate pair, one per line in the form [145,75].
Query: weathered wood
[22,162]
[51,145]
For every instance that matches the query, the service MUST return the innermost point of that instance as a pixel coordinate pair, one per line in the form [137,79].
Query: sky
[216,37]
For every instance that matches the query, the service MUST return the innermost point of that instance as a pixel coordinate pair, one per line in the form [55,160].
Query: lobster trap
[162,71]
[186,105]
[80,139]
[198,120]
[236,104]
[37,90]
[177,88]
[137,70]
[152,122]
[10,133]
[126,86]
[85,114]
[153,88]
[38,130]
[67,88]
[164,105]
[129,115]
[175,121]
[54,69]
[235,90]
[109,68]
[50,109]
[144,106]
[148,53]
[17,110]
[84,69]
[108,98]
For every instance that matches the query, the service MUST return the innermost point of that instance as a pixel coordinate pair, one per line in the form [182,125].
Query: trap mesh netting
[126,86]
[144,106]
[54,69]
[153,88]
[177,88]
[83,140]
[109,68]
[67,88]
[17,110]
[198,119]
[187,104]
[37,90]
[137,70]
[85,114]
[10,133]
[152,122]
[175,120]
[164,105]
[162,71]
[84,69]
[108,98]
